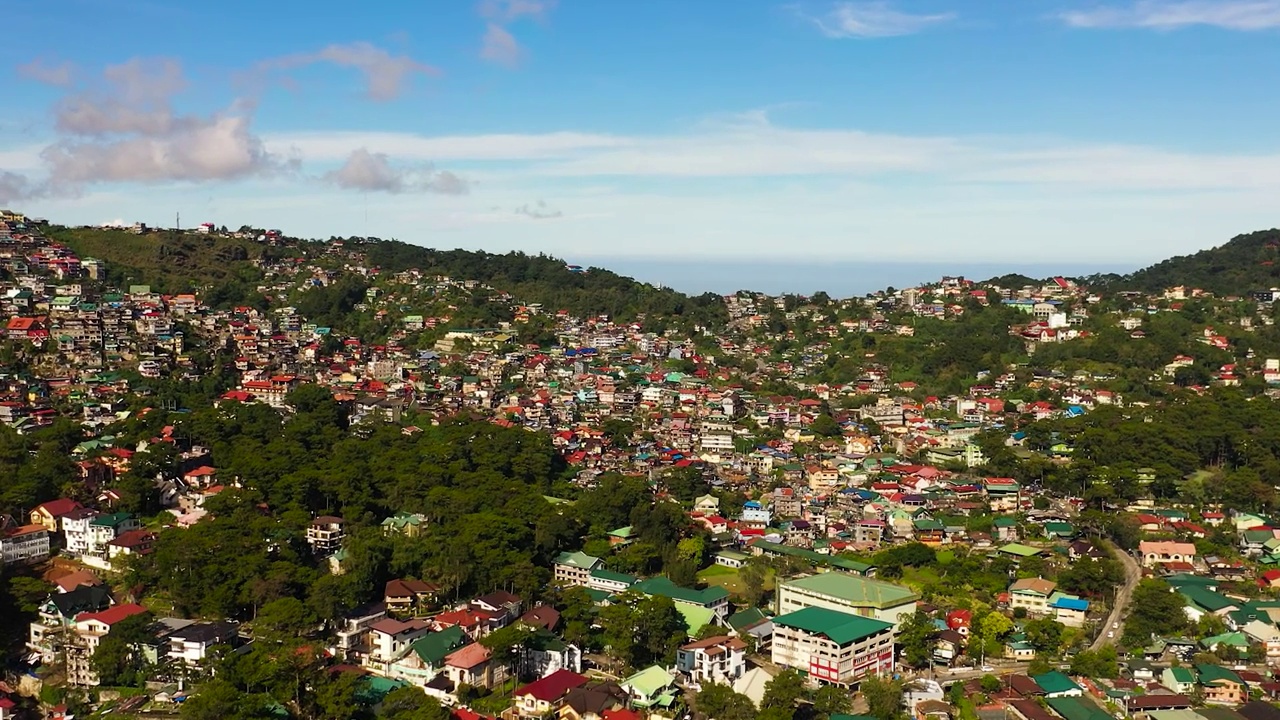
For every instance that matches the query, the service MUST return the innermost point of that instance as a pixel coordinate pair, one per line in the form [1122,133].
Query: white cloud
[1245,15]
[756,148]
[499,46]
[874,20]
[368,171]
[122,128]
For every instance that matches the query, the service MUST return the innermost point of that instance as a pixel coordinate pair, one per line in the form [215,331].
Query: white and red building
[832,646]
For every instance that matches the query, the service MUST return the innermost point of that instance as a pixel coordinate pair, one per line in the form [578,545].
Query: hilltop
[1246,262]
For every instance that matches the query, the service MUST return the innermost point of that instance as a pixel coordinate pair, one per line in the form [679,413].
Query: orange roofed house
[1155,553]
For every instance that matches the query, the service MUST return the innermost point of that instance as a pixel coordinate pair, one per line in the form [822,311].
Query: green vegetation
[1247,262]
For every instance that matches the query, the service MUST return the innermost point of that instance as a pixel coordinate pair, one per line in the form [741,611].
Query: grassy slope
[169,261]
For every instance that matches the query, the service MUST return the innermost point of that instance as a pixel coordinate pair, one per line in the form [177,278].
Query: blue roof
[1071,603]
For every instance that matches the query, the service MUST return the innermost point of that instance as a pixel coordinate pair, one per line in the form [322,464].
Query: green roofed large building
[713,598]
[847,593]
[833,646]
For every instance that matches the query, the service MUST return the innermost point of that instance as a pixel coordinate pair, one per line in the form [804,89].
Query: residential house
[652,689]
[405,596]
[543,696]
[325,534]
[1069,610]
[190,645]
[1178,679]
[1221,686]
[720,659]
[1055,684]
[1032,594]
[472,665]
[833,646]
[1154,553]
[50,514]
[90,628]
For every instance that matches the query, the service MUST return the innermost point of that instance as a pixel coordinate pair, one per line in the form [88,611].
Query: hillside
[173,261]
[1247,262]
[170,261]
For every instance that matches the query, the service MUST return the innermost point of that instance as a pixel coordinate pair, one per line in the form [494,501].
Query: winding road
[1132,574]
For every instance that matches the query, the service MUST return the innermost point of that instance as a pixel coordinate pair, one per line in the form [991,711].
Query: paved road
[1132,574]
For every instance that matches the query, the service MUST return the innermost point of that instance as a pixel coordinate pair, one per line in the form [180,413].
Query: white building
[832,646]
[721,659]
[26,544]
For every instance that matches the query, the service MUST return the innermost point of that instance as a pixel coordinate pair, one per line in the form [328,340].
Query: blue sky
[1107,131]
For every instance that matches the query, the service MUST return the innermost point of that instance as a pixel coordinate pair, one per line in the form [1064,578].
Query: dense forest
[1247,262]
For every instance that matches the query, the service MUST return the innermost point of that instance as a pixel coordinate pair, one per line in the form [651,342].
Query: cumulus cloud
[500,46]
[374,172]
[538,211]
[385,75]
[122,128]
[57,75]
[874,20]
[1244,15]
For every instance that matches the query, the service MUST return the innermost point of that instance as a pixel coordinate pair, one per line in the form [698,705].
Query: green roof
[1207,599]
[604,574]
[1020,550]
[1055,682]
[813,557]
[1182,675]
[695,616]
[1233,639]
[112,520]
[1004,521]
[578,560]
[855,589]
[650,681]
[598,596]
[1210,674]
[1073,708]
[746,618]
[622,532]
[661,585]
[434,647]
[840,628]
[1059,528]
[928,524]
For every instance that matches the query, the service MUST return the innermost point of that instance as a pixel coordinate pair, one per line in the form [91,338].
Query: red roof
[113,615]
[59,507]
[554,686]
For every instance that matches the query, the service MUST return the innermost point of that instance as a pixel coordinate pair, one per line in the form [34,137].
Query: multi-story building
[832,646]
[848,593]
[25,544]
[720,659]
[90,628]
[50,632]
[1032,594]
[575,568]
[325,534]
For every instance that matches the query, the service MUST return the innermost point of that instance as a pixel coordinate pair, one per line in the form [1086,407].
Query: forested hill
[1247,262]
[172,261]
[549,281]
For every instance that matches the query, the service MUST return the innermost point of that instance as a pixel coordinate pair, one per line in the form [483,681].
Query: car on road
[987,668]
[1111,634]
